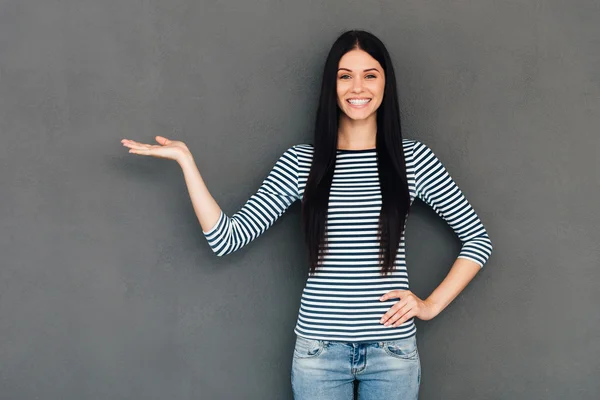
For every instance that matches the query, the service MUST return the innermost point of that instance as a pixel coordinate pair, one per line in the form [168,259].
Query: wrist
[185,158]
[434,306]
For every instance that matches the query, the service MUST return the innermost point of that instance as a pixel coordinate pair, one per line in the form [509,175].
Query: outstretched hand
[408,307]
[170,149]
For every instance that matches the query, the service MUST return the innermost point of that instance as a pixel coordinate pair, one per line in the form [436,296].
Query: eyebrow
[365,70]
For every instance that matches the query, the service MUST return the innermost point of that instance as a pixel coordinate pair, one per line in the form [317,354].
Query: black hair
[390,155]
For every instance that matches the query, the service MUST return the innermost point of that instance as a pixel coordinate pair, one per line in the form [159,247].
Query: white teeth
[359,102]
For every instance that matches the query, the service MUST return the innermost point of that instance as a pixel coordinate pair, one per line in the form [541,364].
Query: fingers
[138,148]
[394,294]
[401,312]
[400,316]
[392,311]
[154,150]
[132,143]
[405,317]
[143,152]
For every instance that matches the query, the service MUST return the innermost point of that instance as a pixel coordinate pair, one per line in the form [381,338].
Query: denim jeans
[326,370]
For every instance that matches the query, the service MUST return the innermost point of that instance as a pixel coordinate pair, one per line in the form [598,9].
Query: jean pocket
[403,348]
[307,348]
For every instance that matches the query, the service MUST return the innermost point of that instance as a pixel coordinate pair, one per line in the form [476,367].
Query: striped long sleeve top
[341,301]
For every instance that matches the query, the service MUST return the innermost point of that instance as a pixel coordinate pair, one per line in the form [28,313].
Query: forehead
[358,60]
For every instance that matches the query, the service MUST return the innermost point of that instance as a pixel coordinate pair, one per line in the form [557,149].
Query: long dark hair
[390,156]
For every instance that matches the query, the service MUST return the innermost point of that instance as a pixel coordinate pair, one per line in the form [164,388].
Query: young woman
[356,184]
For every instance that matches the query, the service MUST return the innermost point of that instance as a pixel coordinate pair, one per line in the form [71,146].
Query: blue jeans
[324,370]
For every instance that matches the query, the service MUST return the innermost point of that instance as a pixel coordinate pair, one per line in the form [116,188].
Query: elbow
[220,252]
[221,245]
[489,243]
[489,247]
[478,249]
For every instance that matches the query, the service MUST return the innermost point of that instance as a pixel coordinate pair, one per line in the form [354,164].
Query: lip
[358,98]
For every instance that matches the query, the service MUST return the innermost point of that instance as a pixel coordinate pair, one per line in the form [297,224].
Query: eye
[371,76]
[345,76]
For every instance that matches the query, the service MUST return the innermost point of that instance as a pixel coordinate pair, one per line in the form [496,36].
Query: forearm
[206,208]
[461,273]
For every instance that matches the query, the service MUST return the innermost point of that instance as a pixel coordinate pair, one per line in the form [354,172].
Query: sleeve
[276,194]
[437,189]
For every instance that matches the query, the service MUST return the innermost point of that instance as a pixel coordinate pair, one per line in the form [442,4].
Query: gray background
[108,289]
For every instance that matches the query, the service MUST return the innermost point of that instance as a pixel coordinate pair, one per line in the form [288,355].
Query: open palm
[170,149]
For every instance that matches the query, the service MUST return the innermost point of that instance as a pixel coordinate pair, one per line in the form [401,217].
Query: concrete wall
[108,289]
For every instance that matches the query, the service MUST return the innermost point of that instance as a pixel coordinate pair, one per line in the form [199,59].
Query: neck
[357,134]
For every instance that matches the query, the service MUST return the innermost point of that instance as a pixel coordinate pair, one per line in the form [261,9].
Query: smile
[358,102]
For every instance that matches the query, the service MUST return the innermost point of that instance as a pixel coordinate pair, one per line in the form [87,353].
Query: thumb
[394,294]
[162,140]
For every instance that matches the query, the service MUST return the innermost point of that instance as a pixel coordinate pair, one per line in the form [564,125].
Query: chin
[358,116]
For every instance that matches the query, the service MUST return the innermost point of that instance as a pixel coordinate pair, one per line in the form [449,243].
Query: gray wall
[108,289]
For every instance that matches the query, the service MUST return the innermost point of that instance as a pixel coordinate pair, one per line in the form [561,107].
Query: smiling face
[360,85]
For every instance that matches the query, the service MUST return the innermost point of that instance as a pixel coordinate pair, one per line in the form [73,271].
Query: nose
[357,85]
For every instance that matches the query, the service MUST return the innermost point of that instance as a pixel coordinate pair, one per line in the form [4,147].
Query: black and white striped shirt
[341,302]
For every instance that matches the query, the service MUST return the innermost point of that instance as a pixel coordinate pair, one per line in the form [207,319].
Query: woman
[356,185]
